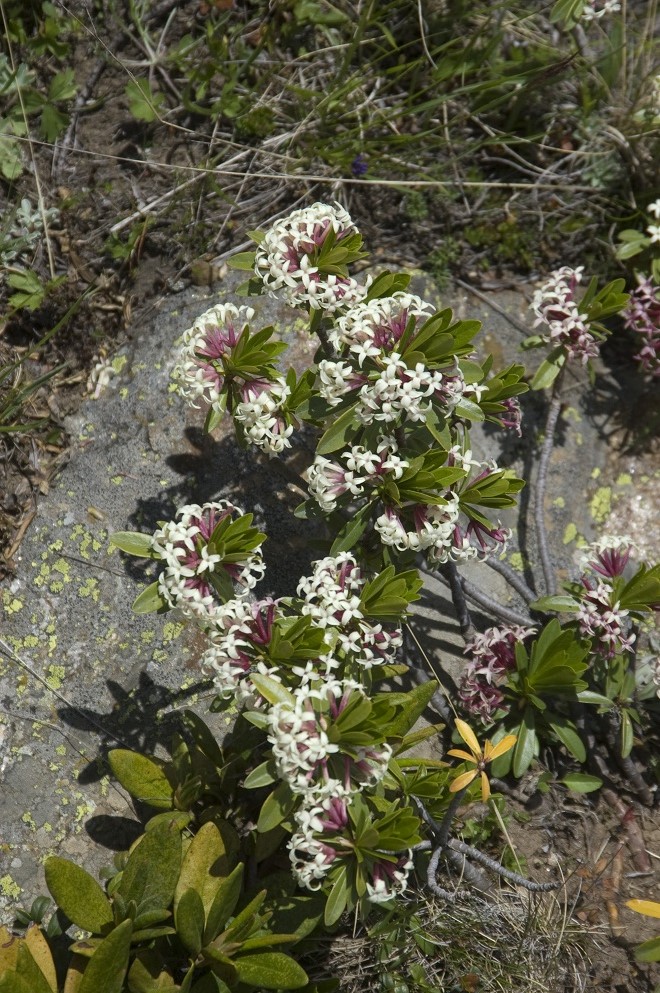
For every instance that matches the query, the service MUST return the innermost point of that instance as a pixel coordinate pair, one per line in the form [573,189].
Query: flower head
[289,259]
[200,373]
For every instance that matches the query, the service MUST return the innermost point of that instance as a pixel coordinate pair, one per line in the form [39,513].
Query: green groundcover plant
[318,803]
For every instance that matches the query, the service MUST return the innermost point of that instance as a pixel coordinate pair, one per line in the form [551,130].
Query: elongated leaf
[337,899]
[526,745]
[149,600]
[569,738]
[134,543]
[581,782]
[627,736]
[27,969]
[149,973]
[12,983]
[270,970]
[414,705]
[78,895]
[40,951]
[152,870]
[189,918]
[558,603]
[351,532]
[143,777]
[224,903]
[648,951]
[106,970]
[276,808]
[338,433]
[271,690]
[205,866]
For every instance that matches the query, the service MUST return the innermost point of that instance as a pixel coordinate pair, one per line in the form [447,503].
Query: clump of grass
[505,945]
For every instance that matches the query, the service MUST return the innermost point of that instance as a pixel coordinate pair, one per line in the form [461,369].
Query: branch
[482,599]
[450,573]
[539,498]
[513,579]
[489,863]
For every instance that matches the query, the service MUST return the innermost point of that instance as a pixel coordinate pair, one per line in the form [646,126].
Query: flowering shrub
[320,765]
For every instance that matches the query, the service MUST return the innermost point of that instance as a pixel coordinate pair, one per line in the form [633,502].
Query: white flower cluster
[328,481]
[376,326]
[263,419]
[604,621]
[321,840]
[595,9]
[433,527]
[555,306]
[182,545]
[199,372]
[399,390]
[286,259]
[331,596]
[305,757]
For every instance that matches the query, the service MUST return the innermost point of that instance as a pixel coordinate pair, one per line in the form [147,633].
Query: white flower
[595,9]
[263,420]
[654,208]
[555,306]
[653,231]
[336,379]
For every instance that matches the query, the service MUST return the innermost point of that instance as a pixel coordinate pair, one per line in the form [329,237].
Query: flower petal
[485,787]
[648,907]
[494,751]
[460,754]
[462,781]
[469,737]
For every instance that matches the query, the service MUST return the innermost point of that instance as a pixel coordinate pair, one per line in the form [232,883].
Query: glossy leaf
[526,745]
[149,600]
[271,971]
[106,970]
[134,543]
[152,870]
[581,782]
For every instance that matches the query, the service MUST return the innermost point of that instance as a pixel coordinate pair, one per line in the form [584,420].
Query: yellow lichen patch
[64,569]
[595,473]
[28,819]
[570,533]
[171,631]
[89,589]
[601,504]
[624,479]
[147,637]
[559,502]
[11,603]
[516,561]
[55,676]
[30,641]
[61,749]
[9,888]
[116,480]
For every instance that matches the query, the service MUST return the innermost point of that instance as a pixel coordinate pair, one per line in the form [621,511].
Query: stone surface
[87,675]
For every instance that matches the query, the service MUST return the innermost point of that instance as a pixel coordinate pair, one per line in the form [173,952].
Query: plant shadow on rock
[219,469]
[135,721]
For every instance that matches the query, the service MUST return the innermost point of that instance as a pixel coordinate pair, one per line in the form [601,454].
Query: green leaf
[144,104]
[597,699]
[134,543]
[627,734]
[271,970]
[52,122]
[264,775]
[338,433]
[556,603]
[63,86]
[243,261]
[27,969]
[549,369]
[152,870]
[352,531]
[11,983]
[224,903]
[271,690]
[413,705]
[205,866]
[337,899]
[276,808]
[581,782]
[568,736]
[648,951]
[149,973]
[143,777]
[526,745]
[106,970]
[189,919]
[78,895]
[149,600]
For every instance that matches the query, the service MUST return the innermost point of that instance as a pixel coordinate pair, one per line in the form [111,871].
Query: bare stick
[539,498]
[489,863]
[450,572]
